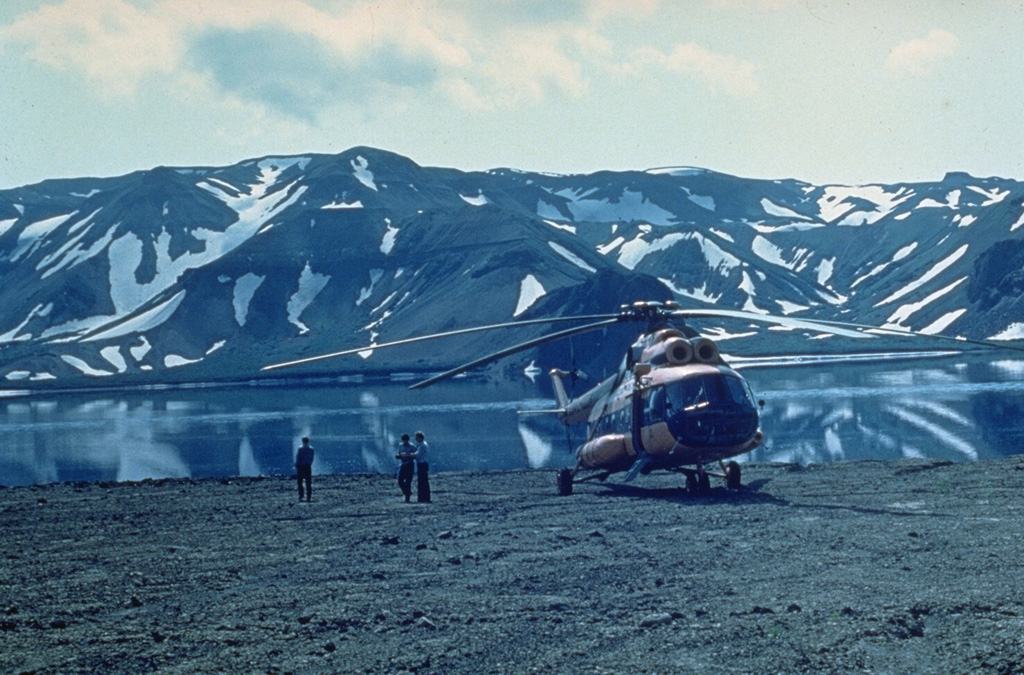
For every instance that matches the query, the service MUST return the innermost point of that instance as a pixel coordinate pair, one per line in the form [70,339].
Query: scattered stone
[424,622]
[653,620]
[389,541]
[447,534]
[135,602]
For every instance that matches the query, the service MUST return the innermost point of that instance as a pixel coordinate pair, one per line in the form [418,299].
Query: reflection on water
[960,410]
[954,409]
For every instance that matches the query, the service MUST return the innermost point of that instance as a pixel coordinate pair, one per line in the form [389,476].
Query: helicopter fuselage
[674,403]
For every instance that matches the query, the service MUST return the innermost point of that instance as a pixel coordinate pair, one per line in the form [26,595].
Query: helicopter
[673,404]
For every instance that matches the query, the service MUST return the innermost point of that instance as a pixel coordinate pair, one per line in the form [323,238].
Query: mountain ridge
[180,274]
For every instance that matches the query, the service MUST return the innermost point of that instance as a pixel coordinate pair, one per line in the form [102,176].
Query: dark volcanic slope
[869,567]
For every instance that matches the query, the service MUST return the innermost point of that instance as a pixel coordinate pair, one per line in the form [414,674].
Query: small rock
[794,608]
[659,619]
[330,647]
[424,622]
[389,541]
[135,602]
[421,547]
[447,534]
[595,533]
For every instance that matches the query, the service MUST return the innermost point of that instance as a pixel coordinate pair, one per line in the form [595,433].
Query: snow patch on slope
[571,257]
[310,285]
[478,200]
[530,291]
[935,271]
[245,288]
[362,173]
[631,206]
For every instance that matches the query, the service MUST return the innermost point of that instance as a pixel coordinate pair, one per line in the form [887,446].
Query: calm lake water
[961,409]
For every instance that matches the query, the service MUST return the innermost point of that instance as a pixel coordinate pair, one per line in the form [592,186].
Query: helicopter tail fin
[556,383]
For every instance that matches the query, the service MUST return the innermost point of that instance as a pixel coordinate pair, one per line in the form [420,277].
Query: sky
[828,92]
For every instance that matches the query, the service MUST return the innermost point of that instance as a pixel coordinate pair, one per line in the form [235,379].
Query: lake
[956,408]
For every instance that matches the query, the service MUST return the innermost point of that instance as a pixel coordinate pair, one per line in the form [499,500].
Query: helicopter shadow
[747,494]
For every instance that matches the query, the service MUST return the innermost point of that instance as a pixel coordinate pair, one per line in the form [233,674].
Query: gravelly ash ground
[883,567]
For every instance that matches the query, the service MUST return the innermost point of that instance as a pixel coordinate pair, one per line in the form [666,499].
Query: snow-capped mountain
[206,273]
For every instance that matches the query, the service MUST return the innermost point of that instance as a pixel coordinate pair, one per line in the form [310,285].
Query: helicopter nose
[710,426]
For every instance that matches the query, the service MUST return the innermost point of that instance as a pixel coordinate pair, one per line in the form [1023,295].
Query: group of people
[413,457]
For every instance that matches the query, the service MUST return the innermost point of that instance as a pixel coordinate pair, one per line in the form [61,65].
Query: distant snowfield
[834,205]
[631,206]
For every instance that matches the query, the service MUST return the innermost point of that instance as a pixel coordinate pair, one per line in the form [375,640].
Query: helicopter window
[738,389]
[656,406]
[694,393]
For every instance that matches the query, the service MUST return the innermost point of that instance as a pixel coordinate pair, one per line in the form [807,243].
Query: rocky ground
[883,567]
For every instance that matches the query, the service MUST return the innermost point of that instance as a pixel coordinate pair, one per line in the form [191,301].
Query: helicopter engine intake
[678,351]
[704,350]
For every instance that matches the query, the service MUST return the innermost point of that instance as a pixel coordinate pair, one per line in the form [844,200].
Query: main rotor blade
[575,330]
[434,336]
[841,328]
[812,324]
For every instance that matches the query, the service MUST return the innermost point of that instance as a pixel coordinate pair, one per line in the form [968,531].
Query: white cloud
[112,43]
[919,56]
[734,76]
[292,57]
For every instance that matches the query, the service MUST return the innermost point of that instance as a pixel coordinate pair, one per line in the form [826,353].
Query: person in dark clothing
[422,468]
[304,469]
[407,454]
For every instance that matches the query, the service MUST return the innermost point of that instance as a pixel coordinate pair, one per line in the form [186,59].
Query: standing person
[304,468]
[406,453]
[422,469]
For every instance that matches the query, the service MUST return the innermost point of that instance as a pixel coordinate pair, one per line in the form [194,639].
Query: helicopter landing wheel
[732,476]
[697,483]
[565,482]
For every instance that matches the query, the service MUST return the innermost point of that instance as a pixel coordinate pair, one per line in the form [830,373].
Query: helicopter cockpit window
[698,392]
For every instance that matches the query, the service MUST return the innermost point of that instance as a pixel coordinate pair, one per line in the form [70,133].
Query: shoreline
[888,566]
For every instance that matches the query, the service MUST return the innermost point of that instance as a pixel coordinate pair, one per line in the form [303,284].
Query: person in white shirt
[422,468]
